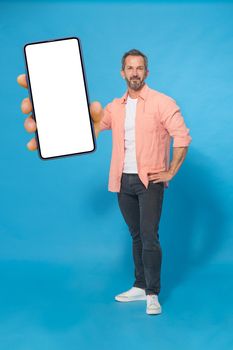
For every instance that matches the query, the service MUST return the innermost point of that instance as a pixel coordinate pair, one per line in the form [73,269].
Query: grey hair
[134,52]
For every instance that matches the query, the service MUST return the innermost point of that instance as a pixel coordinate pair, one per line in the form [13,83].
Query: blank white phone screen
[59,97]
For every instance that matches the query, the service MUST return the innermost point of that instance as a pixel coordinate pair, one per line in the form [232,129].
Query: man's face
[134,72]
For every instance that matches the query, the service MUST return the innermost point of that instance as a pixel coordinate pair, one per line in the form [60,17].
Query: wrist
[171,172]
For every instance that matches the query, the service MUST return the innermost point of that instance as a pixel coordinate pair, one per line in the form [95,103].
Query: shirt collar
[143,94]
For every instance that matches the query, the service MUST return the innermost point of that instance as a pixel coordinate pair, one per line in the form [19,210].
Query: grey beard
[136,86]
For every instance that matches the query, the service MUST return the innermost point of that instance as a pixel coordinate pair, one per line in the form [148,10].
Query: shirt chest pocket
[149,122]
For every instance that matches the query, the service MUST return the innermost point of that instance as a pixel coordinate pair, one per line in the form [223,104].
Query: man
[142,121]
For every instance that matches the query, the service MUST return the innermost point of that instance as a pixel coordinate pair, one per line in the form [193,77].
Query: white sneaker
[132,294]
[153,306]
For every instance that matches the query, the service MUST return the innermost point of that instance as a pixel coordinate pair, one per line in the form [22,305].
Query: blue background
[65,250]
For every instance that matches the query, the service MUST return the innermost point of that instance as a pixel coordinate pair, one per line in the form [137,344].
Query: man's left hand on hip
[163,176]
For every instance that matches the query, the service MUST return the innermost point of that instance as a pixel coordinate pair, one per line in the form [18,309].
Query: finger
[26,105]
[153,177]
[32,145]
[96,111]
[22,81]
[157,179]
[30,124]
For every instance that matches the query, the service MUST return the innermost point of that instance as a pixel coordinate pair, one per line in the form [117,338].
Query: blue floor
[54,307]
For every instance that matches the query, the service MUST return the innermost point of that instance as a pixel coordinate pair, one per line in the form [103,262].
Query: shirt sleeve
[173,122]
[106,121]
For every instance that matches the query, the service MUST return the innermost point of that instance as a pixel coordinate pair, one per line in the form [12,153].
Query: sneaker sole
[126,299]
[154,312]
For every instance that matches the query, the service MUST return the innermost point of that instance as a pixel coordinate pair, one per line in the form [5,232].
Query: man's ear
[122,74]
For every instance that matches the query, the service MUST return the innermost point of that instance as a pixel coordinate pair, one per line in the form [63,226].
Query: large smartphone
[58,92]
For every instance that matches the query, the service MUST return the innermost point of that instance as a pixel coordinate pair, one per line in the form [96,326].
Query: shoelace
[153,301]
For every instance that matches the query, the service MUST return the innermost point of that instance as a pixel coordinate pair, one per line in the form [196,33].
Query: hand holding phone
[96,112]
[60,140]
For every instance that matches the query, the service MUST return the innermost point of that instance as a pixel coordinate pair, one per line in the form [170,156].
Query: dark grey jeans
[141,209]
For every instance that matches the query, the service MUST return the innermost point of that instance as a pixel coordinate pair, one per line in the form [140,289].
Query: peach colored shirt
[158,118]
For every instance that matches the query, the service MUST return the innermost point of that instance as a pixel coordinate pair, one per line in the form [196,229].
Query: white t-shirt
[130,163]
